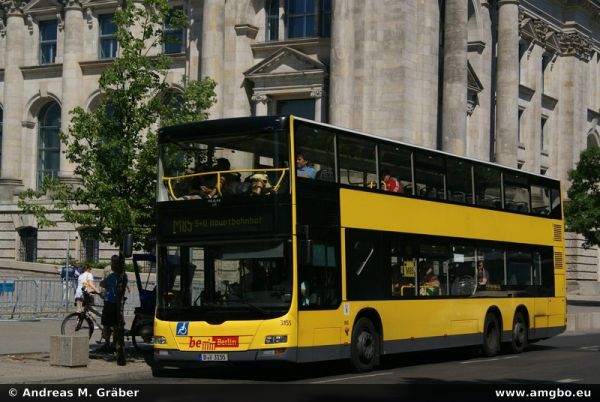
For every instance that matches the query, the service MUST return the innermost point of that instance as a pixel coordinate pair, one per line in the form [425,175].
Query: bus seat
[325,174]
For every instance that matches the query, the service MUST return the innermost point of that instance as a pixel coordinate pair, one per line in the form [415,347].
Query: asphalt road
[567,359]
[564,359]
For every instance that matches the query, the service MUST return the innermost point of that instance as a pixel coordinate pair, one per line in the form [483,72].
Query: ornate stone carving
[259,98]
[317,92]
[60,21]
[89,17]
[575,44]
[14,7]
[541,29]
[29,22]
[470,108]
[2,28]
[71,4]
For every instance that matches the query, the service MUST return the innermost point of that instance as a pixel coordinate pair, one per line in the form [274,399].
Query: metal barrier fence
[46,298]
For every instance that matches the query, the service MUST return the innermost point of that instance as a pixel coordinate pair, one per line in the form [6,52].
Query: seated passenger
[390,183]
[482,274]
[260,184]
[303,170]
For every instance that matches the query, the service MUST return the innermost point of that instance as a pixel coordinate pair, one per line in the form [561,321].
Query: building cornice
[43,71]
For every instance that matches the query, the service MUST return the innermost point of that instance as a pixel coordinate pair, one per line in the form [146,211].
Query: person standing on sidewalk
[110,312]
[68,275]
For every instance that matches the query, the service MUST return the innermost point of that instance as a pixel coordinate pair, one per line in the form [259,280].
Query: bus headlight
[270,339]
[159,340]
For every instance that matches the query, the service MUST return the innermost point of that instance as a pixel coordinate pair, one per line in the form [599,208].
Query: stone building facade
[512,81]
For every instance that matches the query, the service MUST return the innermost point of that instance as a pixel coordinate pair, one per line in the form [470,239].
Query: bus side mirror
[306,251]
[128,245]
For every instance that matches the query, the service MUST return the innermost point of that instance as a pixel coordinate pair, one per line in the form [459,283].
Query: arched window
[48,142]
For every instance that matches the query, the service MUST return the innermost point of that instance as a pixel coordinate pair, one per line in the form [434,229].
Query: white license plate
[213,357]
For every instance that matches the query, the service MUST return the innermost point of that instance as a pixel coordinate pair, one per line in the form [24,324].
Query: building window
[303,18]
[48,41]
[27,244]
[272,22]
[519,139]
[108,37]
[173,39]
[298,107]
[49,142]
[544,134]
[90,250]
[325,18]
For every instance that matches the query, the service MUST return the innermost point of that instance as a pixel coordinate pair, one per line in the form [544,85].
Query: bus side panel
[322,335]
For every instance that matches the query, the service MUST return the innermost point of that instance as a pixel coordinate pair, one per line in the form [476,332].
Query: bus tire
[519,339]
[365,345]
[491,335]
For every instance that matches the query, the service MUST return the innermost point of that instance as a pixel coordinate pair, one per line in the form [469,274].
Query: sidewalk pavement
[35,368]
[26,360]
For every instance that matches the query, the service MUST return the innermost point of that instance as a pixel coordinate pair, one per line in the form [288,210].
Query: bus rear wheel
[491,335]
[365,345]
[519,339]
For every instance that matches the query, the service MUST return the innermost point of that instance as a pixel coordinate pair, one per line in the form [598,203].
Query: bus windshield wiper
[252,306]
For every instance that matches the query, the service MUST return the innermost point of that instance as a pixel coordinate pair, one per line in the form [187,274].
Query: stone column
[71,76]
[342,63]
[194,41]
[454,108]
[507,98]
[211,64]
[10,176]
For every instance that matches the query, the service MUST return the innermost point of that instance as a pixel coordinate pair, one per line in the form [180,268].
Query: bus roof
[182,132]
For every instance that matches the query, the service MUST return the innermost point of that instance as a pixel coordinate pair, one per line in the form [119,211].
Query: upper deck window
[224,165]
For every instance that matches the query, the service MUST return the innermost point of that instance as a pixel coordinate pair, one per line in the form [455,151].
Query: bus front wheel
[365,345]
[491,335]
[519,333]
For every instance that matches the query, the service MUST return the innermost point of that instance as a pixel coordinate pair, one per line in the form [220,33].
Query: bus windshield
[224,165]
[233,281]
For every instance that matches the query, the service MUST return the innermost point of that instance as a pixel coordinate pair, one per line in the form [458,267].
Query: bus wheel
[365,345]
[519,333]
[491,335]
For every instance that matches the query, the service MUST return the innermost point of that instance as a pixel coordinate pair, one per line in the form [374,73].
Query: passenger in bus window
[302,168]
[306,297]
[390,183]
[482,274]
[260,184]
[431,285]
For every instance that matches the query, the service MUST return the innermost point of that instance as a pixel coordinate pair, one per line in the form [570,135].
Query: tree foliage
[582,210]
[114,148]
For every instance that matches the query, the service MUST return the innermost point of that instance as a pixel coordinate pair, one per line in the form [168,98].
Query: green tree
[114,147]
[582,210]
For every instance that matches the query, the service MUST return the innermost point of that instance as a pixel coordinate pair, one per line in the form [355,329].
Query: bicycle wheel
[76,323]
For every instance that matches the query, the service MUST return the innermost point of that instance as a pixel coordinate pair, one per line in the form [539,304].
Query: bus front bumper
[171,357]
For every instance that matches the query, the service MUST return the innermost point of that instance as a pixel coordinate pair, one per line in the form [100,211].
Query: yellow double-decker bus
[283,239]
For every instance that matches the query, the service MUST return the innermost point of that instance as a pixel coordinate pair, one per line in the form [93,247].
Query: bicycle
[141,327]
[82,321]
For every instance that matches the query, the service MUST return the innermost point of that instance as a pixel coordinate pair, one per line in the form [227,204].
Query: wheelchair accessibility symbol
[182,328]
